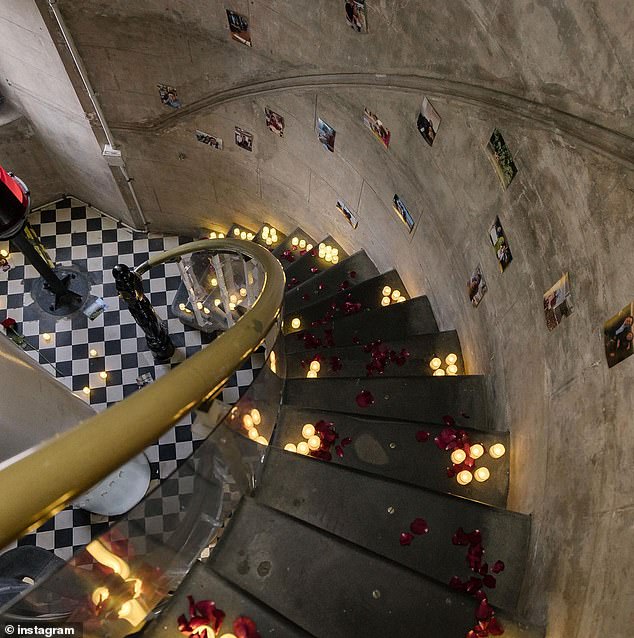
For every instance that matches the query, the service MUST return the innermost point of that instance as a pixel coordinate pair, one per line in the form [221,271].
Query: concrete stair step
[355,360]
[296,250]
[397,321]
[204,584]
[300,269]
[418,399]
[372,512]
[329,282]
[331,587]
[325,311]
[390,448]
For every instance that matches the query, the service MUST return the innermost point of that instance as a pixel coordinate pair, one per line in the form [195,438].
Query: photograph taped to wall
[326,135]
[501,158]
[403,214]
[619,336]
[347,213]
[243,139]
[477,287]
[428,122]
[557,302]
[274,121]
[169,96]
[500,245]
[239,27]
[211,140]
[356,15]
[376,126]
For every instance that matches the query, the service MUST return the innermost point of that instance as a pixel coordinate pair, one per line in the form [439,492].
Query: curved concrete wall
[554,79]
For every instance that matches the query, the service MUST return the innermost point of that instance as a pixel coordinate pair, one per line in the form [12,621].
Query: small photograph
[477,287]
[377,127]
[557,302]
[274,121]
[211,140]
[428,122]
[347,213]
[502,250]
[619,338]
[403,214]
[326,135]
[169,96]
[244,139]
[501,158]
[239,27]
[356,15]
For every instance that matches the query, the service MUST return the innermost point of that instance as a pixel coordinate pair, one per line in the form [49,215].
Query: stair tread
[301,268]
[389,448]
[354,358]
[411,398]
[397,321]
[204,584]
[330,587]
[307,293]
[320,494]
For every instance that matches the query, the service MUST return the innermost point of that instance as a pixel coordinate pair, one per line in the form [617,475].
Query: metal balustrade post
[130,289]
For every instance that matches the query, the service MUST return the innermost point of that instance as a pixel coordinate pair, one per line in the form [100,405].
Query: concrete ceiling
[556,78]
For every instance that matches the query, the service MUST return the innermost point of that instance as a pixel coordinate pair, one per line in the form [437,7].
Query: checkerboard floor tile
[76,234]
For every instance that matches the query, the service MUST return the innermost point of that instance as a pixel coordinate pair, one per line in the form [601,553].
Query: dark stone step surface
[367,293]
[300,269]
[329,282]
[390,449]
[398,321]
[204,584]
[411,398]
[296,252]
[354,359]
[331,587]
[372,512]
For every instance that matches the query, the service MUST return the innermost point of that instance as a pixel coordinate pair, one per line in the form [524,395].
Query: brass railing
[40,482]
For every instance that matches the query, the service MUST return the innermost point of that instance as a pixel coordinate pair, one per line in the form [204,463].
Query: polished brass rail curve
[38,483]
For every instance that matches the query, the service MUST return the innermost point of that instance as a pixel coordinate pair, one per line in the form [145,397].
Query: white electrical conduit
[93,98]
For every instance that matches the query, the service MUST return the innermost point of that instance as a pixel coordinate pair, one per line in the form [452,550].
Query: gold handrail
[40,482]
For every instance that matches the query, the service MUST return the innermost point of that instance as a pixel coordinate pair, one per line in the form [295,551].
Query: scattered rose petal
[406,538]
[473,585]
[489,581]
[494,627]
[419,526]
[484,610]
[484,569]
[244,627]
[422,436]
[498,567]
[339,451]
[365,399]
[346,441]
[456,583]
[449,421]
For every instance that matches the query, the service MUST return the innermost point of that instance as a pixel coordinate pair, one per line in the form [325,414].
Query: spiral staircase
[327,502]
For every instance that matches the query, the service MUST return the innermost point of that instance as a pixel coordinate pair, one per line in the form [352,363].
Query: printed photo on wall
[428,122]
[557,302]
[244,139]
[501,158]
[403,214]
[239,27]
[477,287]
[347,213]
[326,135]
[356,15]
[274,121]
[377,127]
[502,250]
[618,335]
[211,140]
[169,96]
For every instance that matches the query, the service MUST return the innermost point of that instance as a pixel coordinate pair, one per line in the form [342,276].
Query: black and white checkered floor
[74,233]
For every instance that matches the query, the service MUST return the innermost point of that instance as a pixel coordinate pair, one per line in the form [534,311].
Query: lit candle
[497,450]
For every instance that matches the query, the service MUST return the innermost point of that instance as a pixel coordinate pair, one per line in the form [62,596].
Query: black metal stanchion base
[66,302]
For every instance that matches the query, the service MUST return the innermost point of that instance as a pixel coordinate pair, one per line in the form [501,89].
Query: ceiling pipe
[95,102]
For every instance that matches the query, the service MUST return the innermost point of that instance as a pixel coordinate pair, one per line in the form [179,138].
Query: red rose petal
[494,627]
[339,451]
[244,627]
[346,441]
[489,581]
[422,436]
[406,538]
[449,420]
[365,399]
[419,526]
[498,567]
[484,610]
[456,583]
